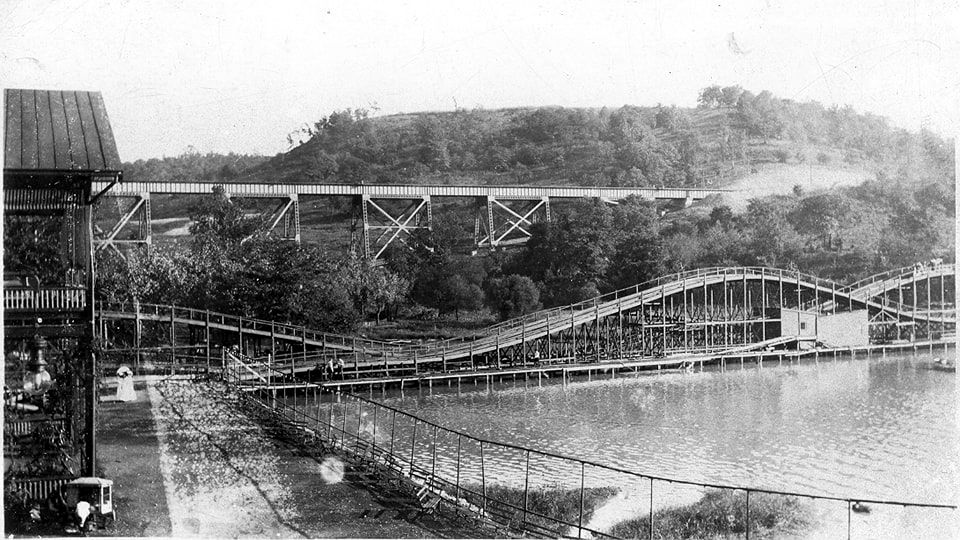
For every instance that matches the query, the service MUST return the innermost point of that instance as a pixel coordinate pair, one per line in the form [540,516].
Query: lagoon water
[870,428]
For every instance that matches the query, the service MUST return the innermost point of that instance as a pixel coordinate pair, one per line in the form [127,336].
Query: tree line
[625,146]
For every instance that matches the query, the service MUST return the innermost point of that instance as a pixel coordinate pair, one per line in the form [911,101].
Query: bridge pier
[381,227]
[489,232]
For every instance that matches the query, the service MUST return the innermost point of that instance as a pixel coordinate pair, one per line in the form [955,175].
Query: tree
[721,215]
[761,114]
[433,142]
[772,238]
[457,293]
[569,252]
[513,295]
[729,95]
[672,118]
[372,288]
[710,97]
[218,220]
[821,216]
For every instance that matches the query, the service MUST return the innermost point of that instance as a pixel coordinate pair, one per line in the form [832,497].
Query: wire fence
[551,495]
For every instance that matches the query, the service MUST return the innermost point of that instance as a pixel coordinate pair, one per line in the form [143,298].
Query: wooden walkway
[560,368]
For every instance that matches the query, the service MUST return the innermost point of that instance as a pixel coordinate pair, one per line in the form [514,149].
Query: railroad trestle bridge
[700,312]
[383,214]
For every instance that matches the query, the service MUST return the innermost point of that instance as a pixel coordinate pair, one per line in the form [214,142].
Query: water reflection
[868,428]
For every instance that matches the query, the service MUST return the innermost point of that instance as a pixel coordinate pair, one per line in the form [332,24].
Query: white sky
[239,76]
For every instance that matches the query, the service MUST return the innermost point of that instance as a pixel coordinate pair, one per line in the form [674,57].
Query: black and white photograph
[632,269]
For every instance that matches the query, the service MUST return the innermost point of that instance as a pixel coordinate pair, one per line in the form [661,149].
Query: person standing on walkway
[125,390]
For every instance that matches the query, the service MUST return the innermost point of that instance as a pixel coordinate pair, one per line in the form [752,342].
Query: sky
[239,76]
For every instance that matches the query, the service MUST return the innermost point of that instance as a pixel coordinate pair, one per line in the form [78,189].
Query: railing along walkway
[457,469]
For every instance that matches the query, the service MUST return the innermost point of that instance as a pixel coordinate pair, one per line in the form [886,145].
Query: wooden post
[726,314]
[459,436]
[683,306]
[573,337]
[173,341]
[548,337]
[526,487]
[413,444]
[763,307]
[580,519]
[240,335]
[619,328]
[663,321]
[303,342]
[483,480]
[596,312]
[206,330]
[497,352]
[138,333]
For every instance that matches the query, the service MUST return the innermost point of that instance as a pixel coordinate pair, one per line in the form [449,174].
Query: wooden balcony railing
[47,299]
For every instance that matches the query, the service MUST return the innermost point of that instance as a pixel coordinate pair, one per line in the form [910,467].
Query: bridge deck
[405,191]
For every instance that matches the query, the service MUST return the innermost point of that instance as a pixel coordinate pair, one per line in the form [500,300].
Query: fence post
[650,520]
[206,325]
[173,342]
[433,470]
[526,485]
[413,444]
[359,424]
[580,519]
[317,399]
[849,503]
[343,428]
[393,429]
[373,453]
[330,423]
[459,437]
[483,481]
[748,498]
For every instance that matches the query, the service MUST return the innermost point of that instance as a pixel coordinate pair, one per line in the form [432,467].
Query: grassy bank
[545,505]
[720,513]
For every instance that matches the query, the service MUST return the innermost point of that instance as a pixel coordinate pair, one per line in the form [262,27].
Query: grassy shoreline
[720,513]
[545,505]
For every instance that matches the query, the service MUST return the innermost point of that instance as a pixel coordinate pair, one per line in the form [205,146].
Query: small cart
[97,492]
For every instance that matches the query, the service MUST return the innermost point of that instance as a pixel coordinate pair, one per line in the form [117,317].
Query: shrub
[723,512]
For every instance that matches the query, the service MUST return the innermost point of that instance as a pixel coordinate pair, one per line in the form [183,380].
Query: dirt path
[193,465]
[129,454]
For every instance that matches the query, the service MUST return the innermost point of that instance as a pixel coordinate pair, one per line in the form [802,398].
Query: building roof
[58,130]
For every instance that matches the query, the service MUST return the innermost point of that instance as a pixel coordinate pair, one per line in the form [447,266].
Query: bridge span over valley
[384,213]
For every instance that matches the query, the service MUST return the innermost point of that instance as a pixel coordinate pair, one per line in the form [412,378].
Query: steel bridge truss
[133,227]
[506,221]
[505,213]
[382,225]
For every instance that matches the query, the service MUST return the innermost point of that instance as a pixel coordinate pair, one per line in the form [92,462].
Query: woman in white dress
[125,391]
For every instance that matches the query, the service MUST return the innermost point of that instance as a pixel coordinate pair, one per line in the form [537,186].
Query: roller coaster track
[578,329]
[541,323]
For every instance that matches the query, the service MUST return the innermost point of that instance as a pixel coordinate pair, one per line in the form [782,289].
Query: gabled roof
[57,130]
